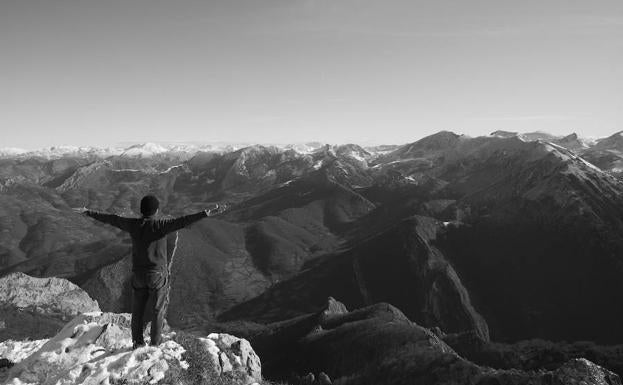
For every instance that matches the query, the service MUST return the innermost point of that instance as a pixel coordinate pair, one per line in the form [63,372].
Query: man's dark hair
[149,205]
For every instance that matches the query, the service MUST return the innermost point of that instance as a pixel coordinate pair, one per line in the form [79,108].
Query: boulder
[229,353]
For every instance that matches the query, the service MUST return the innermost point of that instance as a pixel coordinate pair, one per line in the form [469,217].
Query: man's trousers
[149,287]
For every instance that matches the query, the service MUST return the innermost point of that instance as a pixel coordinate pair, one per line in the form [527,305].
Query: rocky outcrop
[96,348]
[379,345]
[232,354]
[39,307]
[332,309]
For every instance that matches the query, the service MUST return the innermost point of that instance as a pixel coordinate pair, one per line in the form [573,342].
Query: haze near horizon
[101,73]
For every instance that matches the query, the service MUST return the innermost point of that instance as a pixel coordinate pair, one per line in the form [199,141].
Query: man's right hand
[213,210]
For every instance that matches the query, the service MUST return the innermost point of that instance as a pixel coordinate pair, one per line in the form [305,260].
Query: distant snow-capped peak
[12,151]
[144,150]
[58,152]
[303,148]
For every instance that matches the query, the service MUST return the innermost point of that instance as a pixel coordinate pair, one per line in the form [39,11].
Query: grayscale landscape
[311,192]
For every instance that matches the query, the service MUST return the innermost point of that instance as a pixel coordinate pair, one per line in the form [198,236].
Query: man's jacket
[149,242]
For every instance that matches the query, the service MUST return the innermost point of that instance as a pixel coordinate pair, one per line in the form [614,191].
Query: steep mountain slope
[42,235]
[538,225]
[607,154]
[398,266]
[526,227]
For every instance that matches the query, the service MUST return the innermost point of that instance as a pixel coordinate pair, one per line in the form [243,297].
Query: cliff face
[39,307]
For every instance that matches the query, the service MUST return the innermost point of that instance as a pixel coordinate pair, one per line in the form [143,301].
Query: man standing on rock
[150,276]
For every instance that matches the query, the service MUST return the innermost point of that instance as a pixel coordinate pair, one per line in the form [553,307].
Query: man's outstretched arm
[174,224]
[111,219]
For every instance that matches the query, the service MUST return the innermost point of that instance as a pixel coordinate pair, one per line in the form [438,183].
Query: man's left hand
[81,210]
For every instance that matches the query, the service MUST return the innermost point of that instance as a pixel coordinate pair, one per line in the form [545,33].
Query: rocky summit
[96,348]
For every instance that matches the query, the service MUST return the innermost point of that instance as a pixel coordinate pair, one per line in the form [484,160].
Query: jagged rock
[324,379]
[229,353]
[96,348]
[332,308]
[309,379]
[39,307]
[439,333]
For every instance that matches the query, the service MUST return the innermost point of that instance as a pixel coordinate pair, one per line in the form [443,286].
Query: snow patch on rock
[95,348]
[17,351]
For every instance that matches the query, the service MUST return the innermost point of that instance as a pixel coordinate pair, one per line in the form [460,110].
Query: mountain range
[509,236]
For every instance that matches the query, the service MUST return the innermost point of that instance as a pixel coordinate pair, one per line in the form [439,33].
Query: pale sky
[94,72]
